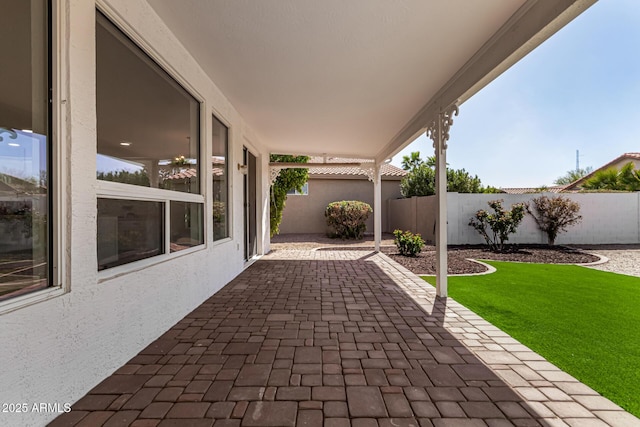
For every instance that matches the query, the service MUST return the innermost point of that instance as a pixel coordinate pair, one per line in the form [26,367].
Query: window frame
[297,193]
[116,190]
[57,134]
[216,115]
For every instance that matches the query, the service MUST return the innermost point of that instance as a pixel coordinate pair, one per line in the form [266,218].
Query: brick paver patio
[338,338]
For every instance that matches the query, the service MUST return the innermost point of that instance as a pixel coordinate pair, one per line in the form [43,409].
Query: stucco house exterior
[107,108]
[304,212]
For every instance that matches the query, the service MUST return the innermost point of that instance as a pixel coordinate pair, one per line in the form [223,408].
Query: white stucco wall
[305,214]
[606,218]
[56,350]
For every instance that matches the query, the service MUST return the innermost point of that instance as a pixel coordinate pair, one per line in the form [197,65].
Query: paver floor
[338,338]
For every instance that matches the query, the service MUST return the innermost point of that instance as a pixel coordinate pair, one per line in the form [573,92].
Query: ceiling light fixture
[14,144]
[125,143]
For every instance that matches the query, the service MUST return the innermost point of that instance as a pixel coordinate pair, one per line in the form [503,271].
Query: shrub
[408,244]
[501,223]
[347,218]
[553,215]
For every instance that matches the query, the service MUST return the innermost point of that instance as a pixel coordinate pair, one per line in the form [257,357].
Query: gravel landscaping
[424,263]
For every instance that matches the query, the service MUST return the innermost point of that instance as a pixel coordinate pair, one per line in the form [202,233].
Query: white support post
[438,131]
[441,217]
[377,208]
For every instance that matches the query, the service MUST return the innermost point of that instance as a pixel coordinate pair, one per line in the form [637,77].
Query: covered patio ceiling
[359,78]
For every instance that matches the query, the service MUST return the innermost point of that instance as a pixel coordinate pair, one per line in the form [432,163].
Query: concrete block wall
[606,218]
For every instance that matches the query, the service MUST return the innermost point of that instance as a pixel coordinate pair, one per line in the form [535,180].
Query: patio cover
[361,78]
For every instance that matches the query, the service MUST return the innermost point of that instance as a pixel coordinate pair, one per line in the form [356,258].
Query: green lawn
[586,322]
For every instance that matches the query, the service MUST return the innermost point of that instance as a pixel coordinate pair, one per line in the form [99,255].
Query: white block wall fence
[607,218]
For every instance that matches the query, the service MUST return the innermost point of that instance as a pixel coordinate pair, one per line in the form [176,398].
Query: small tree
[554,214]
[421,179]
[347,218]
[501,222]
[460,181]
[411,162]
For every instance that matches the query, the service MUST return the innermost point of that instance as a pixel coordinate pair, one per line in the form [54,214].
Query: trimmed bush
[408,244]
[347,218]
[501,222]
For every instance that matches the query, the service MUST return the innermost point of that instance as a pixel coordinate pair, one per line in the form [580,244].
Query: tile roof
[386,169]
[183,174]
[529,190]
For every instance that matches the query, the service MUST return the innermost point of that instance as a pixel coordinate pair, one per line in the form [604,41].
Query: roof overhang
[361,78]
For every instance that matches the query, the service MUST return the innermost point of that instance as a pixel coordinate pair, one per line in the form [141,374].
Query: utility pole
[577,160]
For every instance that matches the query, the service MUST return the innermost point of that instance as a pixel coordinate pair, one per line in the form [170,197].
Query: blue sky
[580,90]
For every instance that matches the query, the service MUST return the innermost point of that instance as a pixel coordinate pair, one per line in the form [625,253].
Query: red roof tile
[386,169]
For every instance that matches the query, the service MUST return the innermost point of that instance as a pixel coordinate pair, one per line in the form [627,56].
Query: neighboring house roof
[620,160]
[386,170]
[218,161]
[183,174]
[529,190]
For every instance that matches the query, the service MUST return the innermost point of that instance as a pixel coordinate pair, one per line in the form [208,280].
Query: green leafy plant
[347,218]
[139,177]
[554,214]
[460,181]
[492,190]
[627,178]
[421,179]
[408,244]
[572,175]
[495,227]
[287,179]
[219,220]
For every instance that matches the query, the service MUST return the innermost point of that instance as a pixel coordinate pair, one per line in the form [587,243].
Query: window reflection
[23,212]
[128,230]
[186,225]
[25,255]
[219,169]
[148,125]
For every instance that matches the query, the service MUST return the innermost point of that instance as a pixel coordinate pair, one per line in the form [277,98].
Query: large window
[148,138]
[148,125]
[220,172]
[128,230]
[25,148]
